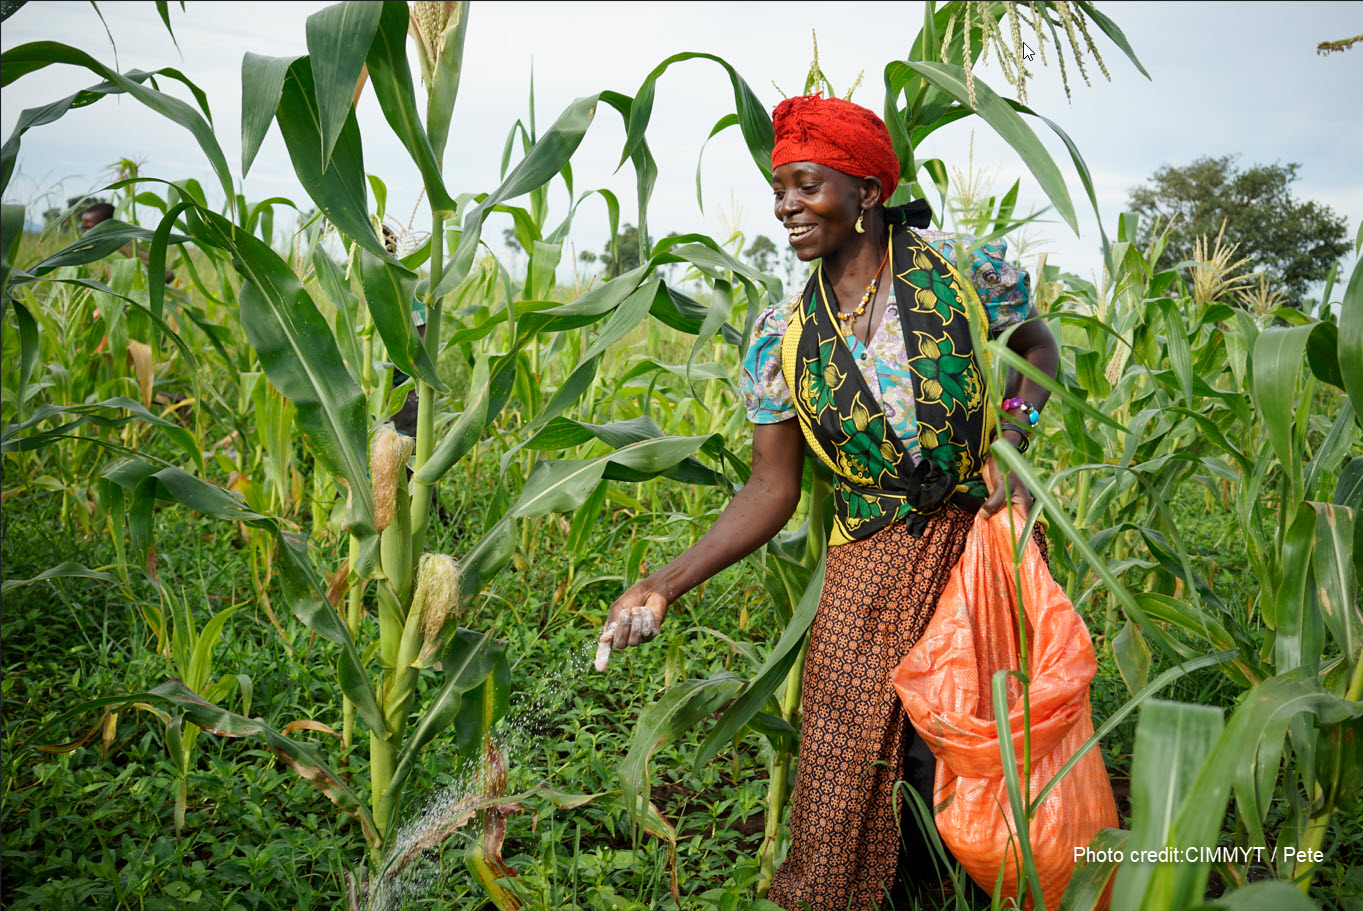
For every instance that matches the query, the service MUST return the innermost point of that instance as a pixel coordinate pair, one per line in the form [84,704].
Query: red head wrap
[839,134]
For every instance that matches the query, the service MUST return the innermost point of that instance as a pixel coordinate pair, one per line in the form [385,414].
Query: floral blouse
[1004,291]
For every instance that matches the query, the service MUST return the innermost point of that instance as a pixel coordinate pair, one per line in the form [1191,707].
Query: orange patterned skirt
[879,594]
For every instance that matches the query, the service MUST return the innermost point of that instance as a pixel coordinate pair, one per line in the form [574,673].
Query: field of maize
[262,651]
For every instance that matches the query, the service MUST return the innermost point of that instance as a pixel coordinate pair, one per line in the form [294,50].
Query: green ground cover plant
[232,594]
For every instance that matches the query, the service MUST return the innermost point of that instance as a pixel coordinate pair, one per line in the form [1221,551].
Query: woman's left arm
[1033,341]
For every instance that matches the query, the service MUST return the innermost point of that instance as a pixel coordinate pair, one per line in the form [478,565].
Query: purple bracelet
[1027,408]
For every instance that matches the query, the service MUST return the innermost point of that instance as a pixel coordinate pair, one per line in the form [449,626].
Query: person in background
[872,367]
[101,212]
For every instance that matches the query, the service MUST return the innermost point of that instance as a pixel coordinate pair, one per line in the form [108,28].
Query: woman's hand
[634,618]
[993,479]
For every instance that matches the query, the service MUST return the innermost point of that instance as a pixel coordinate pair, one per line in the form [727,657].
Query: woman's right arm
[753,517]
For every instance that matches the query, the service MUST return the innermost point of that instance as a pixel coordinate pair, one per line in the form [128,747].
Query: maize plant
[338,406]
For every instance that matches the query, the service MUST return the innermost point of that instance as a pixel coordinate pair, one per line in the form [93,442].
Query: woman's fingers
[633,626]
[994,480]
[603,654]
[630,623]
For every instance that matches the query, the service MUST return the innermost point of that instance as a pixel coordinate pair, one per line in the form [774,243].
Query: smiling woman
[906,431]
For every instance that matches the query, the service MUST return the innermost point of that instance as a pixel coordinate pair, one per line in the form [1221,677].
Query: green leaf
[201,660]
[308,602]
[542,163]
[562,486]
[300,356]
[391,77]
[1322,354]
[1133,657]
[645,168]
[28,58]
[11,232]
[1014,361]
[1041,491]
[1336,583]
[1349,490]
[97,243]
[1243,669]
[491,389]
[163,10]
[1110,29]
[389,290]
[262,84]
[1332,450]
[191,360]
[483,707]
[1021,834]
[300,757]
[1351,338]
[770,677]
[16,438]
[683,706]
[338,41]
[1278,356]
[1297,612]
[1011,127]
[1172,742]
[29,352]
[1268,895]
[1247,756]
[66,570]
[338,185]
[467,661]
[753,119]
[1176,346]
[585,521]
[728,120]
[1090,877]
[334,287]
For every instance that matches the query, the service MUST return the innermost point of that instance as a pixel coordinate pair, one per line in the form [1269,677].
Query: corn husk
[388,453]
[437,593]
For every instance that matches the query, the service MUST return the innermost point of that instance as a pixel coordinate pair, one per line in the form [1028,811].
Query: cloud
[1248,83]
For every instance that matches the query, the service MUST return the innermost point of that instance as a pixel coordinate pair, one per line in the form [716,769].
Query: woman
[906,429]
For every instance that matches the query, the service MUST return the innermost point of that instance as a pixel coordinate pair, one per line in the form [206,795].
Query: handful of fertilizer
[640,620]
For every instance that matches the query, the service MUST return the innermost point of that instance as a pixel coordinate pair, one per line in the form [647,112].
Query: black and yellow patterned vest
[877,482]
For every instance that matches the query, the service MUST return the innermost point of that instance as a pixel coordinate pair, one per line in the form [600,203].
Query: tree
[1293,243]
[622,254]
[762,253]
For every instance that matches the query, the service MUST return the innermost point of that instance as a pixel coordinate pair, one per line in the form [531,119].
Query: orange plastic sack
[944,683]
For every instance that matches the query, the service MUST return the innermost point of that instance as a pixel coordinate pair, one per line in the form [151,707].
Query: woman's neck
[856,263]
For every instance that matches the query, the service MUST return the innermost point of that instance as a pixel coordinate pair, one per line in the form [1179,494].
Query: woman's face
[818,207]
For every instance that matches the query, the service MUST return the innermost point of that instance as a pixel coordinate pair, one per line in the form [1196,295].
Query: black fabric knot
[916,214]
[928,487]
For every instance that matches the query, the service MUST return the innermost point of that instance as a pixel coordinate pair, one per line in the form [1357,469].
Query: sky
[1240,79]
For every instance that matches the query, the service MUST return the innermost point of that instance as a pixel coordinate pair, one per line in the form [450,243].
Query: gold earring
[860,229]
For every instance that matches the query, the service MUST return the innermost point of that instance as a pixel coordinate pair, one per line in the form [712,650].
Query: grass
[94,828]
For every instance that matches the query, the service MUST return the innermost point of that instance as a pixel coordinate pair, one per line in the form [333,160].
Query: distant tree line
[1293,243]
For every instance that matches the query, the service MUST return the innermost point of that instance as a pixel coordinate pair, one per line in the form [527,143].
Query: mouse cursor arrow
[1027,53]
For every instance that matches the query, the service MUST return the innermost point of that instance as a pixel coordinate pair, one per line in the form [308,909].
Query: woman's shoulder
[1003,287]
[948,242]
[774,318]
